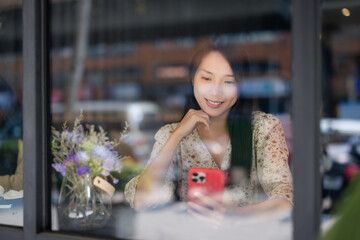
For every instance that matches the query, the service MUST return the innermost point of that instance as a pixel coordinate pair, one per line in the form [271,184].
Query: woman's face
[215,87]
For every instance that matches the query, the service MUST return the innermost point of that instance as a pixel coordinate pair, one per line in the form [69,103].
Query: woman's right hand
[190,121]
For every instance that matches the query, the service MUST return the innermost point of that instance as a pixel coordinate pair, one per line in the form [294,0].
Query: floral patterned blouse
[270,179]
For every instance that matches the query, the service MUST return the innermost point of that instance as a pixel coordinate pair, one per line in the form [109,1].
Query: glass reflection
[11,145]
[340,123]
[130,71]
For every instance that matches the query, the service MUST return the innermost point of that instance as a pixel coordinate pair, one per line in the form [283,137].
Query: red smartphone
[208,182]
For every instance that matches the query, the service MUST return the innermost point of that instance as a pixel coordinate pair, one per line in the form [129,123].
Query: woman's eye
[206,78]
[230,82]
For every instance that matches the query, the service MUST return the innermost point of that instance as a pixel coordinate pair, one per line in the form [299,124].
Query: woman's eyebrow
[227,75]
[206,71]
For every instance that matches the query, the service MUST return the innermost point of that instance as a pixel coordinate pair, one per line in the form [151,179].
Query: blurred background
[135,60]
[10,84]
[129,60]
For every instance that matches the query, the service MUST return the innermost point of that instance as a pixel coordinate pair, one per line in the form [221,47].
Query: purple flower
[115,181]
[80,129]
[59,168]
[108,164]
[82,170]
[74,137]
[105,173]
[71,159]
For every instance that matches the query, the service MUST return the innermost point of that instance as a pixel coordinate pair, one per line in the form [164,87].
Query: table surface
[173,222]
[169,222]
[13,216]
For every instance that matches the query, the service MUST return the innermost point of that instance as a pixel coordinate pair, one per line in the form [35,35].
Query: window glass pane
[340,123]
[138,64]
[11,127]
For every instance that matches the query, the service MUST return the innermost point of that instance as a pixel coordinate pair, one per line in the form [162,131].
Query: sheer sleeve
[168,188]
[272,158]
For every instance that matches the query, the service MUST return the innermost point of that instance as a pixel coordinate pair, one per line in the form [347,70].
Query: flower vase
[82,204]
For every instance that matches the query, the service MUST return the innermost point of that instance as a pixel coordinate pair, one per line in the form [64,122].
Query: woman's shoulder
[165,131]
[264,119]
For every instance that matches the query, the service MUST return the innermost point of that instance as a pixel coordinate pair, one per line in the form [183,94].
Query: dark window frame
[306,86]
[36,119]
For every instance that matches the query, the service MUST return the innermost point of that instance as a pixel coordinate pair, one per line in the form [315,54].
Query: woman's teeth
[212,102]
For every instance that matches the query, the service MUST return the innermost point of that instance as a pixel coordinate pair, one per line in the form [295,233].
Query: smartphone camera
[198,177]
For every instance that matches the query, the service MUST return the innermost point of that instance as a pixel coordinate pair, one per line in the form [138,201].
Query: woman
[214,133]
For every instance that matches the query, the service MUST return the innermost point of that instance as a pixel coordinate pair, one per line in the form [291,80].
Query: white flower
[100,152]
[83,157]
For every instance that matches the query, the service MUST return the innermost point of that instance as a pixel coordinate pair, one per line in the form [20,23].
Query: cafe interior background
[128,61]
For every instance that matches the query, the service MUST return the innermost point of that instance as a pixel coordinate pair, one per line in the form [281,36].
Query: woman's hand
[207,209]
[153,176]
[190,120]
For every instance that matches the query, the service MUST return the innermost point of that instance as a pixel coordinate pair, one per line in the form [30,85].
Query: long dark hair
[239,118]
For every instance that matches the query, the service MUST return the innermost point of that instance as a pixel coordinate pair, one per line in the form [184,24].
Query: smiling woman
[214,85]
[216,132]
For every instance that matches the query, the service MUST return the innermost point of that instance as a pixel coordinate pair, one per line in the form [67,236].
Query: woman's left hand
[208,209]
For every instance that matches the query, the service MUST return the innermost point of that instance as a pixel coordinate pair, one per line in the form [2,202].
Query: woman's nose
[216,89]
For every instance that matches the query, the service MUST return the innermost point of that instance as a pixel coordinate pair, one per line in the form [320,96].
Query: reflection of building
[341,54]
[159,70]
[138,55]
[135,45]
[167,62]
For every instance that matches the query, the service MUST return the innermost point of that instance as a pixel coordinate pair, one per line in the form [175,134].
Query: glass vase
[82,205]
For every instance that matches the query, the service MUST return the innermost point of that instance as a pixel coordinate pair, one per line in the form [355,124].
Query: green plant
[348,213]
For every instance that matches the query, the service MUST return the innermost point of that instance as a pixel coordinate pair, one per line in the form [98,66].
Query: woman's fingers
[211,221]
[205,214]
[191,119]
[211,202]
[204,120]
[200,208]
[199,116]
[208,209]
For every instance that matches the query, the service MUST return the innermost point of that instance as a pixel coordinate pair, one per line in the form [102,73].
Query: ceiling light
[345,12]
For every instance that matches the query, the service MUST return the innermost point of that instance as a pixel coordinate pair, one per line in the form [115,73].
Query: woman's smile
[215,85]
[213,104]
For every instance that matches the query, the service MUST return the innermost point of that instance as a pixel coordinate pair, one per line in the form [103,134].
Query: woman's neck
[218,127]
[215,138]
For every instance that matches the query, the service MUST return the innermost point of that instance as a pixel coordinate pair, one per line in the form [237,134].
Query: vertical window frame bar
[36,112]
[306,117]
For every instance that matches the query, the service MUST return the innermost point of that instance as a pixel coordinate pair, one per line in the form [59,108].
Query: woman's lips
[213,104]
